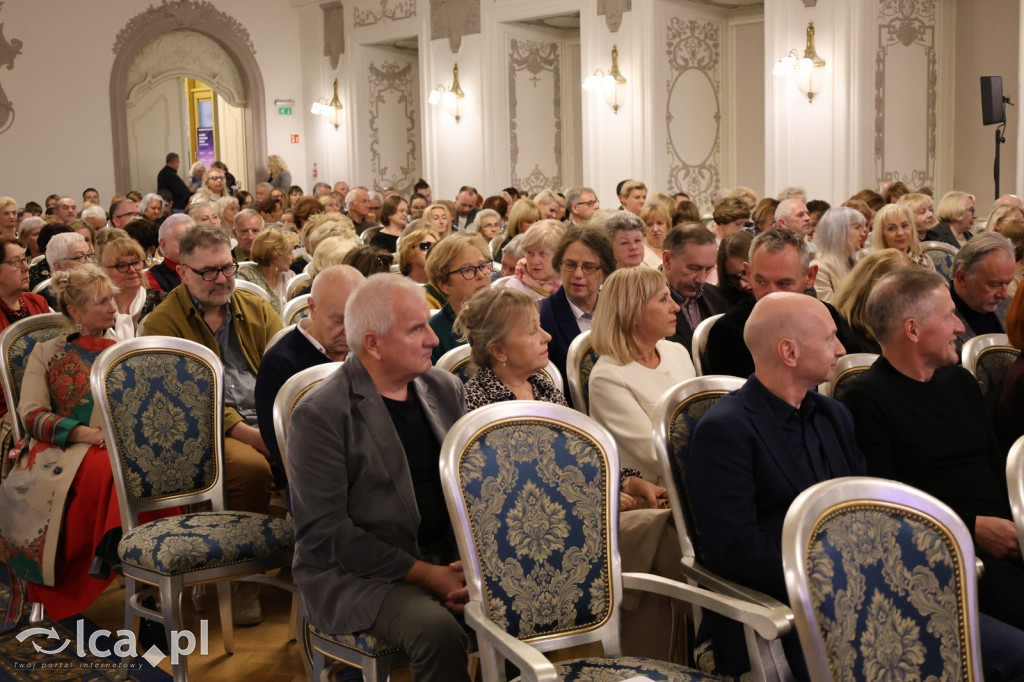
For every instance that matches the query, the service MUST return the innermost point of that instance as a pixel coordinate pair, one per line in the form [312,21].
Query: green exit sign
[285,111]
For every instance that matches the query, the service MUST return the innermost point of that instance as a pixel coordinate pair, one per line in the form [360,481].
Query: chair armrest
[532,664]
[769,623]
[979,566]
[716,583]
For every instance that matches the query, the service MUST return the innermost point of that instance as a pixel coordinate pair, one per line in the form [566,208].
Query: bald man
[318,339]
[760,447]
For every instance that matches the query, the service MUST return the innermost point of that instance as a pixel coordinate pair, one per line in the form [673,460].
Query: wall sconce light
[808,71]
[329,110]
[611,84]
[452,97]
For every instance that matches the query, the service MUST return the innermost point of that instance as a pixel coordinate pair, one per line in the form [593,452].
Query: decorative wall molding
[183,13]
[453,19]
[201,17]
[8,51]
[537,58]
[905,26]
[694,88]
[389,10]
[612,10]
[392,86]
[186,54]
[334,30]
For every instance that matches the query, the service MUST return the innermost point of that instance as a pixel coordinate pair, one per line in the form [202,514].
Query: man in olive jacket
[237,326]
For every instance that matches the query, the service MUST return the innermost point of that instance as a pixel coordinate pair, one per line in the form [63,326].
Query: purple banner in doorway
[204,146]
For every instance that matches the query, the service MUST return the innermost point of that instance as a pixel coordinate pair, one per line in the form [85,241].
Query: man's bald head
[793,334]
[328,296]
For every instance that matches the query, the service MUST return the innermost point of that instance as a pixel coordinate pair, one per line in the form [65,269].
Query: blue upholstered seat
[533,493]
[881,578]
[194,542]
[364,643]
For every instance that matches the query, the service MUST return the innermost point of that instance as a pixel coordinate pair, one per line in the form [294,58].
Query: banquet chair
[162,403]
[848,368]
[459,362]
[988,357]
[699,343]
[881,573]
[579,363]
[296,309]
[942,255]
[533,492]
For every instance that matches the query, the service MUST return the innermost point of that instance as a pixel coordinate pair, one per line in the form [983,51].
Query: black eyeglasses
[84,258]
[210,274]
[469,272]
[424,246]
[131,214]
[592,203]
[135,265]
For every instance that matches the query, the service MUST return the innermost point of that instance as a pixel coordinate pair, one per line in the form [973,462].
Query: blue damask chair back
[162,399]
[579,363]
[16,344]
[942,255]
[988,357]
[881,577]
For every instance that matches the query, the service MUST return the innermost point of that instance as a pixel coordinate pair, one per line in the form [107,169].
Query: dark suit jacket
[943,233]
[727,354]
[711,303]
[556,318]
[355,513]
[169,180]
[287,357]
[742,476]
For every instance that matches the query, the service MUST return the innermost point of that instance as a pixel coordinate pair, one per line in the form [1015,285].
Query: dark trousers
[426,631]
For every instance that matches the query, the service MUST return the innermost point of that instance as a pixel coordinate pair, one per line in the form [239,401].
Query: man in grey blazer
[373,539]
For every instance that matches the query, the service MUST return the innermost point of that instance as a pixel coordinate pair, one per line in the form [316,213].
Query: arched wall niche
[202,17]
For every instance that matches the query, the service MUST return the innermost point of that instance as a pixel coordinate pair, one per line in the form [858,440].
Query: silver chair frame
[246,285]
[170,609]
[12,393]
[845,365]
[295,283]
[495,644]
[803,516]
[577,349]
[767,660]
[293,307]
[976,347]
[460,355]
[699,342]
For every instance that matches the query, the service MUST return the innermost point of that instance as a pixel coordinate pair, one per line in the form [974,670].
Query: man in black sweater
[169,180]
[920,419]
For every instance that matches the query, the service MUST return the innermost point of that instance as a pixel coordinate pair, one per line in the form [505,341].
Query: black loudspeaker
[992,110]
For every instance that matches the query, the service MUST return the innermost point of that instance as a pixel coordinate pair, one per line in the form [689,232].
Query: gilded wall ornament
[8,51]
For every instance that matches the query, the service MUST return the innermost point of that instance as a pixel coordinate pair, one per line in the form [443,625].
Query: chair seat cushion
[362,642]
[613,669]
[193,542]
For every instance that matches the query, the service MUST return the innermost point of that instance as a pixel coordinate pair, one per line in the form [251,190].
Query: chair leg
[170,606]
[319,665]
[37,614]
[293,619]
[376,670]
[227,626]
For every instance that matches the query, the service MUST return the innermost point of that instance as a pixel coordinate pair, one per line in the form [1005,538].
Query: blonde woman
[657,221]
[227,209]
[214,186]
[413,247]
[547,202]
[522,214]
[280,176]
[894,229]
[195,176]
[272,251]
[8,217]
[636,364]
[956,213]
[852,296]
[1000,216]
[439,218]
[921,207]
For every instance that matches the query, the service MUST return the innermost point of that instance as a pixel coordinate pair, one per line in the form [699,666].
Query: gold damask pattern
[534,493]
[990,370]
[616,669]
[163,410]
[886,588]
[193,542]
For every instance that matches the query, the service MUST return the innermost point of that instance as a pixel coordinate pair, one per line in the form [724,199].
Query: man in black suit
[758,448]
[318,339]
[687,260]
[169,180]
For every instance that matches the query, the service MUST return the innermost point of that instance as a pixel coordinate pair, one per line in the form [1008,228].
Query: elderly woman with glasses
[459,266]
[124,260]
[535,273]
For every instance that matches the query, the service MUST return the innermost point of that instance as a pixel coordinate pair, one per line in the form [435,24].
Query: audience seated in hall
[779,261]
[317,339]
[585,259]
[983,270]
[376,551]
[920,419]
[636,363]
[688,259]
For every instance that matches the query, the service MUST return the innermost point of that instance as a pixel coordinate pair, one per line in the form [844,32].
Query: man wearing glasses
[123,213]
[582,203]
[237,326]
